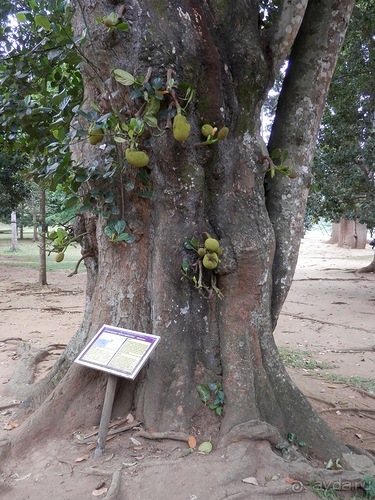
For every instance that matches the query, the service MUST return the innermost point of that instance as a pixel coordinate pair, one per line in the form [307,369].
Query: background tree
[147,69]
[14,190]
[344,174]
[13,187]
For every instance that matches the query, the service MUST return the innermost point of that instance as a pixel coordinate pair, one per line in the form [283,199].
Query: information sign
[118,351]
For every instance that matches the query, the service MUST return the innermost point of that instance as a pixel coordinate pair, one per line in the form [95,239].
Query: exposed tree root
[9,405]
[362,391]
[316,320]
[368,269]
[115,485]
[253,430]
[176,436]
[24,374]
[346,408]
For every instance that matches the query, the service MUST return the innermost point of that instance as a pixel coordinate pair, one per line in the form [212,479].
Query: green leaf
[108,231]
[20,16]
[185,266]
[124,77]
[283,156]
[188,245]
[122,26]
[119,226]
[128,238]
[204,393]
[151,120]
[205,447]
[119,139]
[43,22]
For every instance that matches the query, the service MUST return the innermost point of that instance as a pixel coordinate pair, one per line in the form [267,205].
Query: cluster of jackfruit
[211,253]
[210,132]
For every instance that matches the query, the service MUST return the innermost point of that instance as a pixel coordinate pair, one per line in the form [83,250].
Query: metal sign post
[106,415]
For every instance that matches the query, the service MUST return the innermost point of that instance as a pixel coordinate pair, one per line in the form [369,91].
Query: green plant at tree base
[369,486]
[292,438]
[212,394]
[327,494]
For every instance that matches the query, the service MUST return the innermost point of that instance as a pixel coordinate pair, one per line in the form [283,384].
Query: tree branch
[300,106]
[284,31]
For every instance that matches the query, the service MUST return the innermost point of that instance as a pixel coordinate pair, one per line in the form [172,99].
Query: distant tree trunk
[335,233]
[21,224]
[42,244]
[352,234]
[35,224]
[219,48]
[13,221]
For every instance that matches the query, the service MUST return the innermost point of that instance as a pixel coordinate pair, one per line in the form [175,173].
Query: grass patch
[366,384]
[27,255]
[295,358]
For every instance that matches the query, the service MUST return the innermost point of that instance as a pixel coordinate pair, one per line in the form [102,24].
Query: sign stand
[106,415]
[120,353]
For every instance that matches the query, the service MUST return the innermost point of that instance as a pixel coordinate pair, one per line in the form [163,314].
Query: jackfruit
[223,132]
[60,257]
[207,129]
[95,136]
[212,245]
[137,158]
[210,261]
[181,128]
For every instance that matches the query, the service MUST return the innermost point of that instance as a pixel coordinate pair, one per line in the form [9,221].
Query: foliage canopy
[344,168]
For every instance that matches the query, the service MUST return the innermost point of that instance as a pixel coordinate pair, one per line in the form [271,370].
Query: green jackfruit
[212,245]
[181,128]
[210,261]
[60,257]
[137,158]
[201,252]
[95,136]
[223,132]
[207,129]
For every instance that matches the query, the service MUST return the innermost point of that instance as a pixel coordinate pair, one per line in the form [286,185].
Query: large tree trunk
[218,189]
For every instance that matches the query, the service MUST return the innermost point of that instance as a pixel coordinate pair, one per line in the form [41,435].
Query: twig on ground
[176,436]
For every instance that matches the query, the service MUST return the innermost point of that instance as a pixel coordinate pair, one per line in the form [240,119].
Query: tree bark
[13,220]
[42,243]
[217,189]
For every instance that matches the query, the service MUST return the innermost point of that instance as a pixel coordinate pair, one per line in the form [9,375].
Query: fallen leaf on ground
[82,459]
[10,426]
[22,478]
[205,447]
[108,458]
[192,442]
[251,480]
[98,493]
[135,441]
[290,480]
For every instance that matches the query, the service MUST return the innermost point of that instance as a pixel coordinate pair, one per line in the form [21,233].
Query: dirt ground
[328,317]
